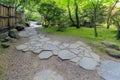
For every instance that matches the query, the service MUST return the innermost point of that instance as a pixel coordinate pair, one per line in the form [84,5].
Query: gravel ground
[24,66]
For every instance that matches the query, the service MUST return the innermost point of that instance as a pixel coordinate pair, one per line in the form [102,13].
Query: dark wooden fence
[8,17]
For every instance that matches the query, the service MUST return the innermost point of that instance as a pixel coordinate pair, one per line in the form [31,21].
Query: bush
[51,13]
[5,44]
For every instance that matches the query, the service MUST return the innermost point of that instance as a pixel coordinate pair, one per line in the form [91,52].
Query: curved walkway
[77,52]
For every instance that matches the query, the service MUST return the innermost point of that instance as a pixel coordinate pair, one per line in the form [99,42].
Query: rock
[76,59]
[110,45]
[65,54]
[37,51]
[21,47]
[95,57]
[20,27]
[27,24]
[44,39]
[4,37]
[75,45]
[45,54]
[110,70]
[113,53]
[5,44]
[64,46]
[47,75]
[55,52]
[49,47]
[76,51]
[57,43]
[88,63]
[13,33]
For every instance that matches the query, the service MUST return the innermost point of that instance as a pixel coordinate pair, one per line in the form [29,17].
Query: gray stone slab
[47,75]
[75,46]
[65,54]
[37,51]
[76,59]
[21,47]
[95,56]
[76,51]
[64,46]
[45,54]
[110,70]
[50,47]
[88,63]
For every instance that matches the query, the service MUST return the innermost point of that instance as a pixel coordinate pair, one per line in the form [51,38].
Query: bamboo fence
[8,17]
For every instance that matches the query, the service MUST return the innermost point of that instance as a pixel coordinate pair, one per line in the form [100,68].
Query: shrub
[5,44]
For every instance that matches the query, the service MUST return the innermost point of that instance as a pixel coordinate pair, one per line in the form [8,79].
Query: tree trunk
[76,14]
[110,13]
[118,33]
[69,11]
[95,17]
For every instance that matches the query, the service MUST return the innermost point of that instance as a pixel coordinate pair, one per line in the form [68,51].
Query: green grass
[87,33]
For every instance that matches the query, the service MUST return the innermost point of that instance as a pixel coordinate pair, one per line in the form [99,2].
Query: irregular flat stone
[21,47]
[110,70]
[47,75]
[75,45]
[76,51]
[88,63]
[65,54]
[44,39]
[64,46]
[55,52]
[57,43]
[76,59]
[95,57]
[50,47]
[37,51]
[45,54]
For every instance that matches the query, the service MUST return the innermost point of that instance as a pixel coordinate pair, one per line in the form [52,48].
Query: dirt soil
[23,66]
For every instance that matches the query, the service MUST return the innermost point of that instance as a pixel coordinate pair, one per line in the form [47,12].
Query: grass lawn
[88,33]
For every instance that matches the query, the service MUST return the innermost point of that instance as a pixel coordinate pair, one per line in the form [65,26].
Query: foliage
[50,12]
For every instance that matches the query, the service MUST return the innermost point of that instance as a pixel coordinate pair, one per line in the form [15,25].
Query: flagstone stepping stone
[95,56]
[75,45]
[65,54]
[76,51]
[76,59]
[57,43]
[45,54]
[37,51]
[88,63]
[21,47]
[110,70]
[44,39]
[50,47]
[47,75]
[64,46]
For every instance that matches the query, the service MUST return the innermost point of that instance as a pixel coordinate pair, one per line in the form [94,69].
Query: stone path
[110,70]
[77,52]
[47,75]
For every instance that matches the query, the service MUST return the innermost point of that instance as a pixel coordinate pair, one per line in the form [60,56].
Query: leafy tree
[111,8]
[20,3]
[50,12]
